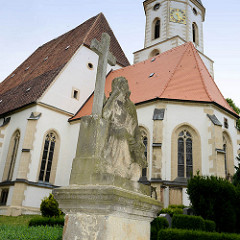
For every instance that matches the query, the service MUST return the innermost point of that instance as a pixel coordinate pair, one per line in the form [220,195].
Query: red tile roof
[179,74]
[41,67]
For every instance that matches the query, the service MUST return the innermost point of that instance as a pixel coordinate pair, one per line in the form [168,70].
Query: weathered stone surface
[106,212]
[110,148]
[105,57]
[105,201]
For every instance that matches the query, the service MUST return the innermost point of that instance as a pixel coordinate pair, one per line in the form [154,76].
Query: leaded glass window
[185,159]
[145,142]
[47,157]
[14,150]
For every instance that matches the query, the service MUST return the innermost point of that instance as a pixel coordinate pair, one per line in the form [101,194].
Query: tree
[236,176]
[236,109]
[49,207]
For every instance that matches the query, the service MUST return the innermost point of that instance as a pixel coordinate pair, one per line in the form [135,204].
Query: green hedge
[179,234]
[173,209]
[181,221]
[216,199]
[156,225]
[210,226]
[46,221]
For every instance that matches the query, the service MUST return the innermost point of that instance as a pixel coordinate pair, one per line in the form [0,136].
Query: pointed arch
[146,142]
[186,151]
[195,33]
[228,154]
[156,28]
[49,157]
[12,156]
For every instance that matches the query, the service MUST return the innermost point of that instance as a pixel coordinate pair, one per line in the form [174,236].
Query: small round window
[156,7]
[195,11]
[90,66]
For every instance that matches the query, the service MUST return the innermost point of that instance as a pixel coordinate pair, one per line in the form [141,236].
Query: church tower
[170,23]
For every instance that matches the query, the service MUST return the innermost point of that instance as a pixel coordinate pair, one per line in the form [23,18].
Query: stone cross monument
[105,57]
[104,200]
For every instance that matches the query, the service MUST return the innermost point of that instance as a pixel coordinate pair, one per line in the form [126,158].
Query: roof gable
[52,57]
[178,74]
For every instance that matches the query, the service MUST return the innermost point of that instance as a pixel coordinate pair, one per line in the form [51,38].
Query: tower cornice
[196,2]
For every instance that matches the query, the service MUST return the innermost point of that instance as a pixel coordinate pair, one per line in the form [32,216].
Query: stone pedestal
[106,212]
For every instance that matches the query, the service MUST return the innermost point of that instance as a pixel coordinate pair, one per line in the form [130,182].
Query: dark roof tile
[51,56]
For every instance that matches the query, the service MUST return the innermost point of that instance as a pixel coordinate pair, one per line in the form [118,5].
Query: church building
[187,126]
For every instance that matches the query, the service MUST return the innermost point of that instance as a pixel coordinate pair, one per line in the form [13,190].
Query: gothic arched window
[228,155]
[156,28]
[145,142]
[47,157]
[195,33]
[185,160]
[12,155]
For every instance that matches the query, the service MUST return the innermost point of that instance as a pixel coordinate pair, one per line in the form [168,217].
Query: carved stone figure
[124,149]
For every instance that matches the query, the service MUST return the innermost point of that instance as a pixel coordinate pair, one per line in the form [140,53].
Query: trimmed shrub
[188,222]
[210,226]
[156,225]
[177,206]
[215,199]
[173,209]
[46,221]
[179,234]
[49,207]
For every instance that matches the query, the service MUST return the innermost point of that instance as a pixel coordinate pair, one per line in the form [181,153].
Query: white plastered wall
[18,122]
[76,74]
[67,136]
[190,114]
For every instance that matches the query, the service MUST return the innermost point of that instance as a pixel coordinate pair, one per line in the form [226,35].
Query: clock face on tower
[177,15]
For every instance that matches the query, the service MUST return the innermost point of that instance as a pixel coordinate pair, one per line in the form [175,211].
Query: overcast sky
[27,24]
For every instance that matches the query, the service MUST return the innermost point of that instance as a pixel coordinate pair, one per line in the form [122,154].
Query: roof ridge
[93,25]
[213,82]
[205,87]
[170,78]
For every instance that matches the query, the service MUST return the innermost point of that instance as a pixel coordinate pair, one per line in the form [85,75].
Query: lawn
[16,228]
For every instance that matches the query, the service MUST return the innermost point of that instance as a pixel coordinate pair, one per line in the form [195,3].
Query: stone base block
[105,213]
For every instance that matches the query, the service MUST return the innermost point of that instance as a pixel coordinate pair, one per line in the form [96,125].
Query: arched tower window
[154,53]
[47,157]
[195,33]
[156,28]
[185,159]
[12,155]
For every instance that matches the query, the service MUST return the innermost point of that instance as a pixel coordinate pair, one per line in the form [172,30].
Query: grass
[22,220]
[16,228]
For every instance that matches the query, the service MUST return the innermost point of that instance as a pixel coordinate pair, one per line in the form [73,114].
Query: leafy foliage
[215,199]
[47,221]
[210,226]
[236,176]
[49,207]
[173,209]
[188,222]
[236,109]
[233,105]
[156,225]
[179,234]
[31,233]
